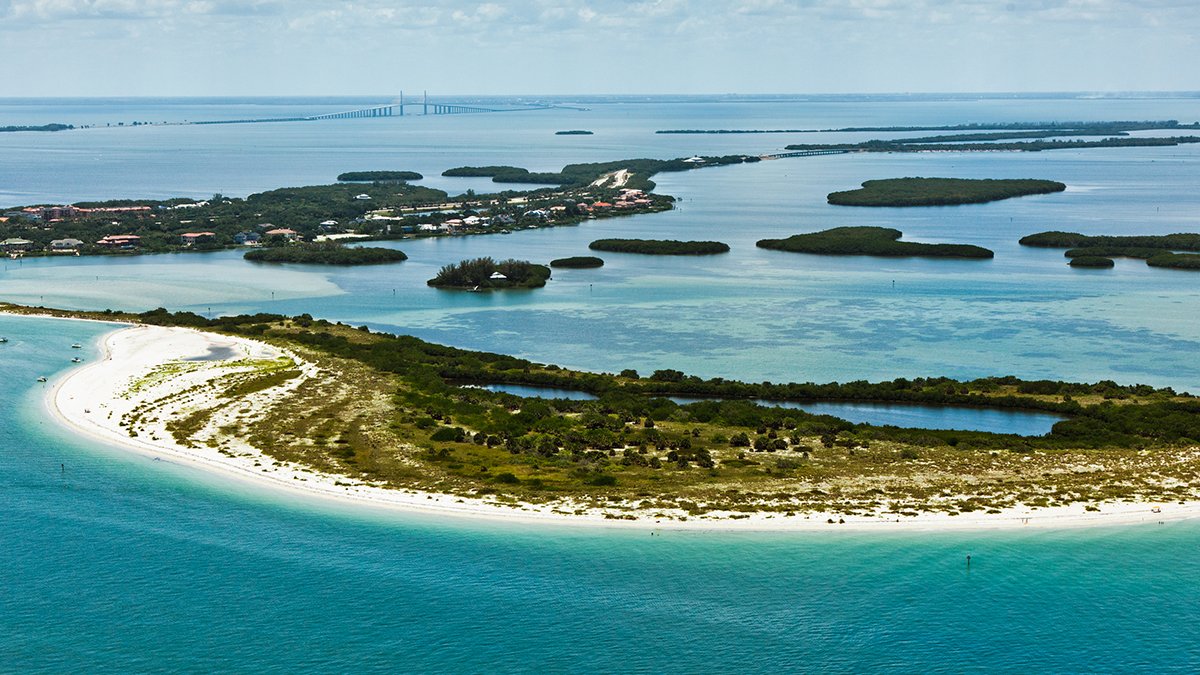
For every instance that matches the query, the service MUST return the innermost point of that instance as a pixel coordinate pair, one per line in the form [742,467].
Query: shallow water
[121,562]
[118,562]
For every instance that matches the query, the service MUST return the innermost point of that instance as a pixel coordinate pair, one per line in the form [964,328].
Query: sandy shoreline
[141,363]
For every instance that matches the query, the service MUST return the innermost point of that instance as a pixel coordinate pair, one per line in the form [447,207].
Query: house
[122,242]
[16,245]
[247,238]
[496,276]
[290,235]
[190,238]
[65,245]
[362,197]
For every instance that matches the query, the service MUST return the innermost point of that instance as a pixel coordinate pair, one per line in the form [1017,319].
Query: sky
[372,47]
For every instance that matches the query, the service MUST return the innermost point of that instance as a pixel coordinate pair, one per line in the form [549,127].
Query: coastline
[93,399]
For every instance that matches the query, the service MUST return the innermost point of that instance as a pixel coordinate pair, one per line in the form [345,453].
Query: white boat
[76,360]
[3,340]
[76,346]
[41,379]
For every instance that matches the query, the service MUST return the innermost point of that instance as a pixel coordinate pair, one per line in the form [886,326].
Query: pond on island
[540,392]
[907,415]
[914,416]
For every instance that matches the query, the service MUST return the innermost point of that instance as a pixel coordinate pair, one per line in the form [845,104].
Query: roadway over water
[396,109]
[804,153]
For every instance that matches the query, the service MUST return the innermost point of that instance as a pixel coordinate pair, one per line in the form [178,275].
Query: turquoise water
[121,563]
[114,562]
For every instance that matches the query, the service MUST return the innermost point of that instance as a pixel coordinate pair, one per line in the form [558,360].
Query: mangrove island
[485,274]
[659,246]
[873,241]
[940,191]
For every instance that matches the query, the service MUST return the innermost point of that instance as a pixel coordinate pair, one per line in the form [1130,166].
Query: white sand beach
[144,364]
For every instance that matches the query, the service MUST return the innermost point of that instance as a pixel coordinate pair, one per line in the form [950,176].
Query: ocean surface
[117,562]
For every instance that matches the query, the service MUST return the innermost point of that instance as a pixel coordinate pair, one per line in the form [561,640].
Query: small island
[578,262]
[1157,250]
[326,253]
[43,127]
[1175,261]
[1092,261]
[378,176]
[573,132]
[873,241]
[659,246]
[485,274]
[941,191]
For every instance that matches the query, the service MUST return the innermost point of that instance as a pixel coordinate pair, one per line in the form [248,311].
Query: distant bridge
[427,108]
[804,153]
[396,109]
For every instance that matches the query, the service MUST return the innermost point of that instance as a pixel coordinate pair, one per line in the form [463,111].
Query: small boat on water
[3,340]
[76,360]
[41,379]
[76,346]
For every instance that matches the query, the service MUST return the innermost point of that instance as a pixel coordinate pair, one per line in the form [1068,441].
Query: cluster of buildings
[54,214]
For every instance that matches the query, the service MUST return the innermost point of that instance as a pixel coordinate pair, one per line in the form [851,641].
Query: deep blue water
[114,562]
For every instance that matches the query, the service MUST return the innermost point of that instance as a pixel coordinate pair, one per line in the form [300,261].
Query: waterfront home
[15,245]
[123,242]
[247,238]
[65,245]
[286,233]
[190,238]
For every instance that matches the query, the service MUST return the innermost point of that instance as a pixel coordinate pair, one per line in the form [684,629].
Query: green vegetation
[487,274]
[390,410]
[875,241]
[659,246]
[507,174]
[580,262]
[1113,252]
[1176,261]
[580,175]
[160,223]
[940,191]
[573,132]
[1156,250]
[326,253]
[371,176]
[1058,128]
[1184,241]
[946,144]
[44,127]
[1091,261]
